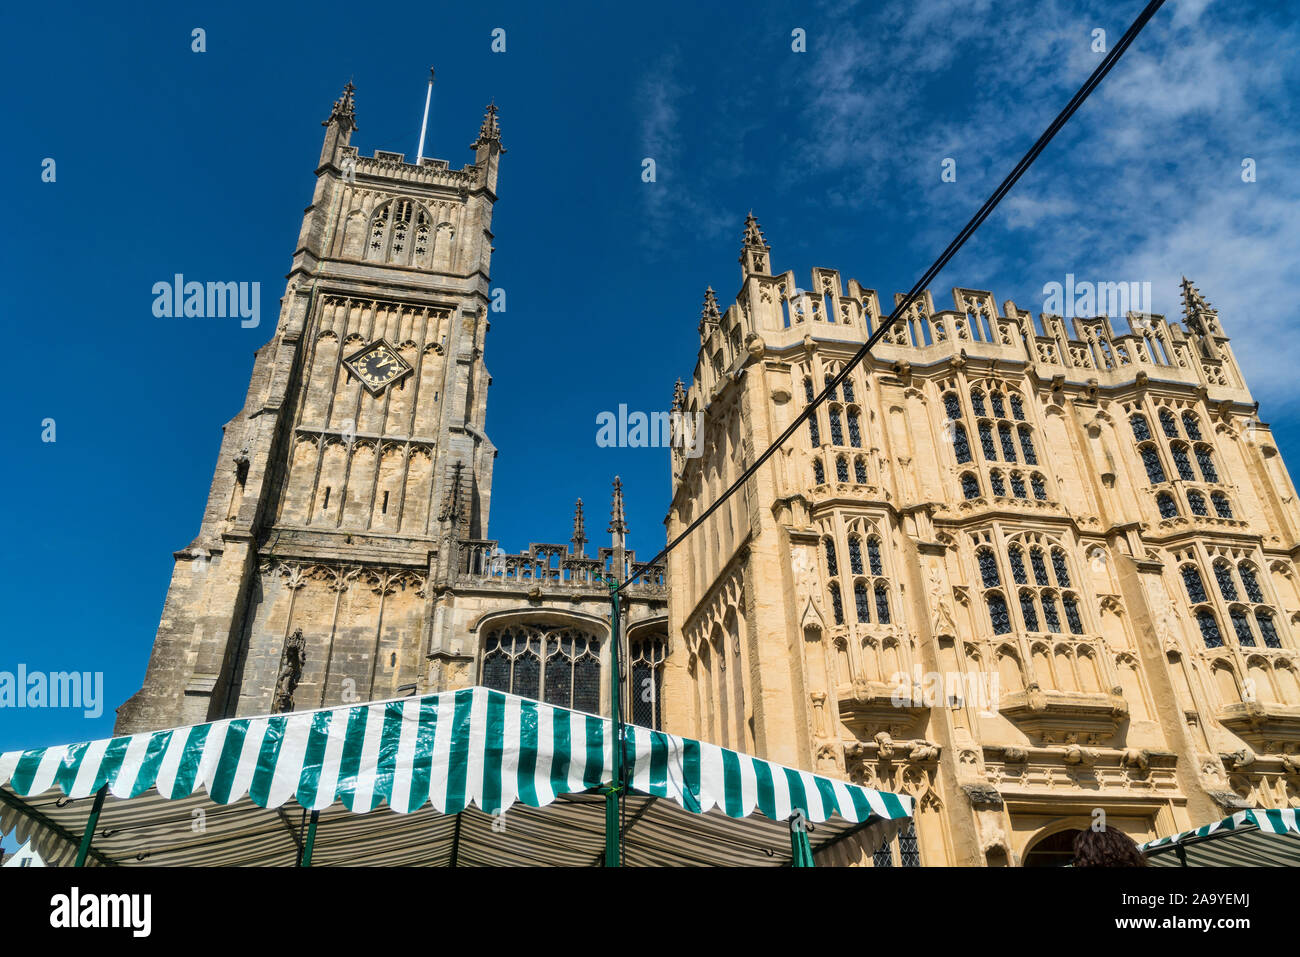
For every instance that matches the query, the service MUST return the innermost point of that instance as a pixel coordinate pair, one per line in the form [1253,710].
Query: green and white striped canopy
[476,776]
[1247,838]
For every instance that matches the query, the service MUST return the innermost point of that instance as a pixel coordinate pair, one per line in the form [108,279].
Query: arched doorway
[1055,850]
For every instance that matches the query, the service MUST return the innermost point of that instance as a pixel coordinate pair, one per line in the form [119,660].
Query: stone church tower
[343,553]
[1029,571]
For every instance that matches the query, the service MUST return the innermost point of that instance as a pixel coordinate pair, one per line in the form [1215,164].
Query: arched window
[837,430]
[882,603]
[996,480]
[1168,424]
[960,444]
[1241,628]
[1058,566]
[986,442]
[847,388]
[1182,463]
[1151,459]
[832,565]
[390,232]
[1050,616]
[837,606]
[998,615]
[1192,582]
[1017,485]
[1205,459]
[873,556]
[808,393]
[830,390]
[1018,574]
[855,433]
[554,664]
[1038,565]
[1028,610]
[1141,431]
[860,470]
[855,555]
[1209,628]
[1168,507]
[977,401]
[1223,575]
[1027,446]
[1221,506]
[1072,614]
[1267,630]
[1017,408]
[1250,582]
[1039,486]
[988,568]
[952,405]
[819,472]
[842,469]
[1196,502]
[995,400]
[970,486]
[646,691]
[861,602]
[1191,426]
[1008,444]
[814,434]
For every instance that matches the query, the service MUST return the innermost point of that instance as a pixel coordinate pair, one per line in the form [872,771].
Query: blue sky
[201,163]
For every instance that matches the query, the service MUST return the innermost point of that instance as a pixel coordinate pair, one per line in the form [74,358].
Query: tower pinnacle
[754,251]
[490,131]
[579,539]
[1197,312]
[710,318]
[339,127]
[617,520]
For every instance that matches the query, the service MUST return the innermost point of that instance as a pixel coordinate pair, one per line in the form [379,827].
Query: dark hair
[1109,847]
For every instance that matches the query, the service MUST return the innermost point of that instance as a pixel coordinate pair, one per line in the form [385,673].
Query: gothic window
[421,234]
[559,666]
[837,606]
[961,446]
[988,568]
[378,232]
[1221,506]
[996,480]
[830,395]
[1267,630]
[1241,628]
[1017,485]
[1250,582]
[970,486]
[855,434]
[1072,615]
[1017,408]
[1209,628]
[995,400]
[1141,431]
[1205,460]
[1027,446]
[847,387]
[952,405]
[1029,611]
[977,401]
[909,855]
[1050,617]
[1192,582]
[1058,566]
[986,442]
[998,614]
[1168,507]
[861,602]
[832,565]
[1151,459]
[1191,426]
[648,656]
[1168,425]
[1223,575]
[855,555]
[860,470]
[1196,501]
[814,436]
[1018,573]
[808,389]
[873,556]
[842,469]
[1039,486]
[1039,566]
[1008,444]
[837,430]
[882,603]
[819,473]
[1182,463]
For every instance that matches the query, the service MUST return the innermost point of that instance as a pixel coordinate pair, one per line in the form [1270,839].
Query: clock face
[377,366]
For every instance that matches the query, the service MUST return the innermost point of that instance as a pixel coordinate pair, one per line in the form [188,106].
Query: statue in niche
[944,624]
[291,663]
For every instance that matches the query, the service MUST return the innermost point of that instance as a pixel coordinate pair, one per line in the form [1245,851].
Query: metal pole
[612,835]
[304,859]
[800,846]
[428,95]
[91,823]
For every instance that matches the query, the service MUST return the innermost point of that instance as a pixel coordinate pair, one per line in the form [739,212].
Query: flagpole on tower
[428,96]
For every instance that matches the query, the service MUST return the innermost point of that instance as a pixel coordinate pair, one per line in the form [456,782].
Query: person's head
[1108,847]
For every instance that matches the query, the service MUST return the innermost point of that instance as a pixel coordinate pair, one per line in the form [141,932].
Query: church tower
[359,458]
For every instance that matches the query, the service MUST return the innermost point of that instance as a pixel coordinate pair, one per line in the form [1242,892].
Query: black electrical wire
[921,284]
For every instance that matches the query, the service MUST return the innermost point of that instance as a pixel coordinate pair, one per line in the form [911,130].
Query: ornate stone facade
[1020,569]
[343,554]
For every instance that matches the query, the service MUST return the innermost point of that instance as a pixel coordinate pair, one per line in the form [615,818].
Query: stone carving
[291,663]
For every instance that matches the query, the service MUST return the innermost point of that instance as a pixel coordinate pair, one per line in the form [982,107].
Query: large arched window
[553,663]
[399,233]
[647,656]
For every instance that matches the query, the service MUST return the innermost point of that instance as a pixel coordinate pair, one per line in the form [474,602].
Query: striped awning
[1254,838]
[475,776]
